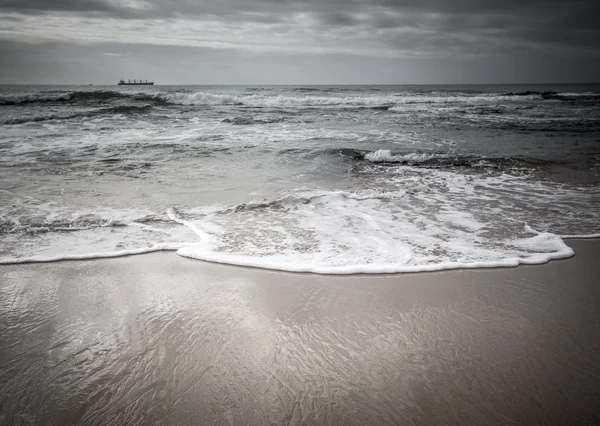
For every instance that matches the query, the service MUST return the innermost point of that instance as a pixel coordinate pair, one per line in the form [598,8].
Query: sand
[160,339]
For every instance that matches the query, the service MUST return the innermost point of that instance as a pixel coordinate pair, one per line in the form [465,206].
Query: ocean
[324,179]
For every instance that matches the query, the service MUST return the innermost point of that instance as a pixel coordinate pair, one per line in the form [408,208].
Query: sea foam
[90,255]
[385,156]
[326,232]
[347,233]
[425,220]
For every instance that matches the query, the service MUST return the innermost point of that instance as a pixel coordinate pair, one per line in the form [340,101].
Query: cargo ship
[135,83]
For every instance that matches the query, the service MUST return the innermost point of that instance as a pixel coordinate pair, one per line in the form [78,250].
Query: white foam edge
[87,256]
[187,250]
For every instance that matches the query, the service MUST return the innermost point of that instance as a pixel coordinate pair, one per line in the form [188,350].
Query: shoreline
[166,339]
[251,263]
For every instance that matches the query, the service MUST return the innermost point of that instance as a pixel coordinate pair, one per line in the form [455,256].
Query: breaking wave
[121,109]
[580,98]
[389,102]
[531,93]
[434,160]
[78,97]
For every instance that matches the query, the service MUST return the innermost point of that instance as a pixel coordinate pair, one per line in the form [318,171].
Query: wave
[121,109]
[388,102]
[348,233]
[34,98]
[530,93]
[63,225]
[432,160]
[251,100]
[191,251]
[79,97]
[256,100]
[436,160]
[246,121]
[551,95]
[125,109]
[562,252]
[280,101]
[325,232]
[386,156]
[310,89]
[352,153]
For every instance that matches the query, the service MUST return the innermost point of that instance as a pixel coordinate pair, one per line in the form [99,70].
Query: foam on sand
[325,232]
[98,255]
[562,252]
[347,233]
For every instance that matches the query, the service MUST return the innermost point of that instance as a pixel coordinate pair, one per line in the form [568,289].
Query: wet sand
[160,339]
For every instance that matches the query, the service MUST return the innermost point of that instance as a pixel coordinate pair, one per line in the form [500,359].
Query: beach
[162,339]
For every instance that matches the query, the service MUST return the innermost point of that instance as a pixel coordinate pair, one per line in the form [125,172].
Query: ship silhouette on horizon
[135,83]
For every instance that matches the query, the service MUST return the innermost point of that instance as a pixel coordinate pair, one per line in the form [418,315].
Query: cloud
[323,23]
[41,6]
[467,30]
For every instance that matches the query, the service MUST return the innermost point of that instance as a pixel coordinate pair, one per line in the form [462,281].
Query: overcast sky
[299,42]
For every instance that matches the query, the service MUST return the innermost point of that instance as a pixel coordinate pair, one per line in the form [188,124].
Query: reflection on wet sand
[158,339]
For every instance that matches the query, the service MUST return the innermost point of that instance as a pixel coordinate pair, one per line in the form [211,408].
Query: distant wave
[311,89]
[530,93]
[390,102]
[121,109]
[471,105]
[311,99]
[280,101]
[77,97]
[197,99]
[550,95]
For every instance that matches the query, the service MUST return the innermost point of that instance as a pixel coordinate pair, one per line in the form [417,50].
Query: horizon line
[317,84]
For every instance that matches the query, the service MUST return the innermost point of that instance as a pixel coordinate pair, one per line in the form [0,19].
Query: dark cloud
[340,19]
[236,7]
[57,5]
[562,15]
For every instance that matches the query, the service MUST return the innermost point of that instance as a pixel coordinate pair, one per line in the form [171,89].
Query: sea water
[325,179]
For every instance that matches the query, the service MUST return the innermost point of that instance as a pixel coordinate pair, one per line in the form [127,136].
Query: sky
[299,42]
